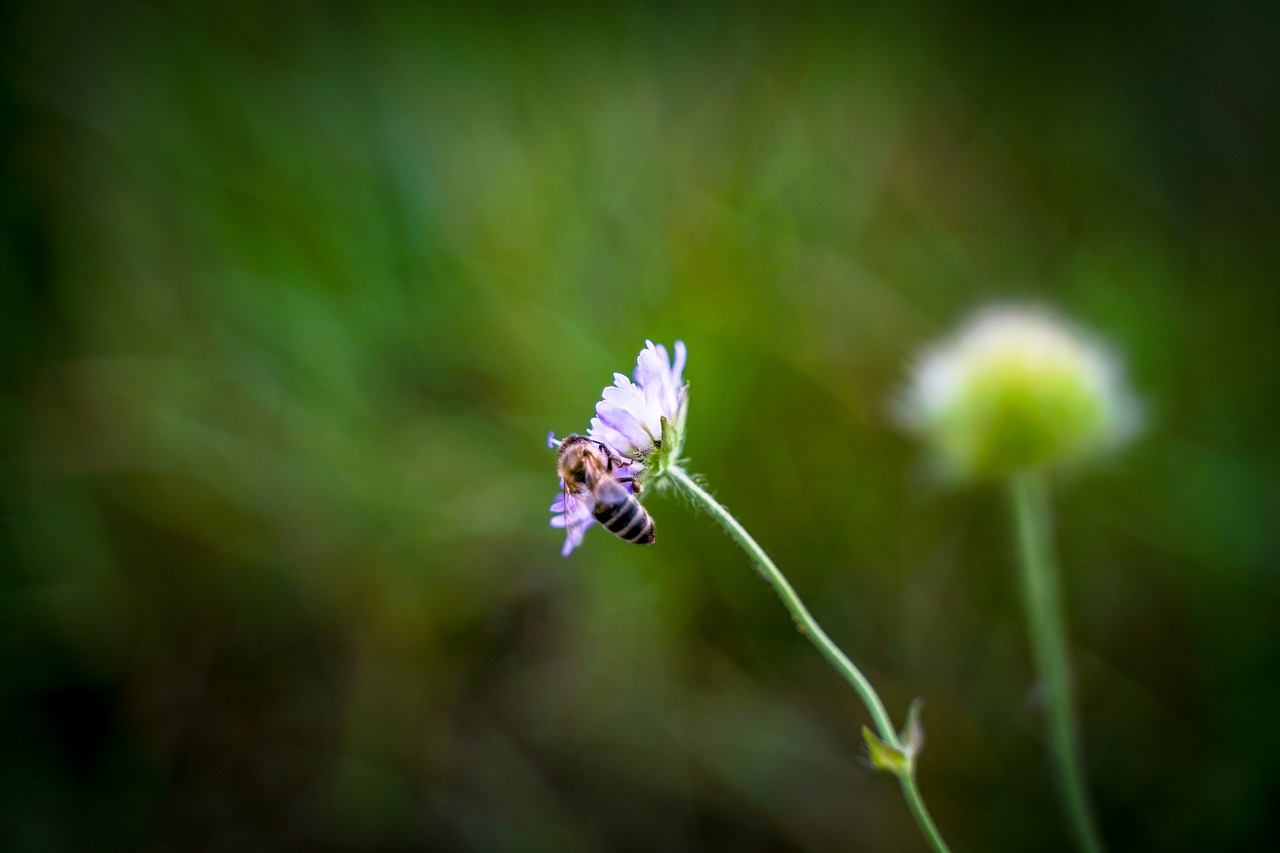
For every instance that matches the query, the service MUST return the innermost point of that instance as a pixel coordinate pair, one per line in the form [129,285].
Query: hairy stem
[809,627]
[1042,595]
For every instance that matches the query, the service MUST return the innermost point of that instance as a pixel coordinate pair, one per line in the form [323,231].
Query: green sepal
[885,756]
[664,455]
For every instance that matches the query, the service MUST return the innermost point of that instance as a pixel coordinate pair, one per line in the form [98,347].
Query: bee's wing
[574,508]
[611,492]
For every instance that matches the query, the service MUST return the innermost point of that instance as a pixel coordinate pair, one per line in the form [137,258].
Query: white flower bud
[1014,389]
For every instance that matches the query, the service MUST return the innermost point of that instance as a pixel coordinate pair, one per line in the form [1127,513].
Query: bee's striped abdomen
[626,519]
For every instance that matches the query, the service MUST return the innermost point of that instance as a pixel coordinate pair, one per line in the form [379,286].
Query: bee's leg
[632,480]
[608,454]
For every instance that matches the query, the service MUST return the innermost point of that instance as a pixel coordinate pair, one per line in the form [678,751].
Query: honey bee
[592,486]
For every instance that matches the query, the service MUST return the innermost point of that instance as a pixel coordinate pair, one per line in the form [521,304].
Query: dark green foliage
[293,294]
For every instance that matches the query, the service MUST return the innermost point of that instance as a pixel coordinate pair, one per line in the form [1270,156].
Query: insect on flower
[599,486]
[635,439]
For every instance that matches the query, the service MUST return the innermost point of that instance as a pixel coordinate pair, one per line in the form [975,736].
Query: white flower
[1017,388]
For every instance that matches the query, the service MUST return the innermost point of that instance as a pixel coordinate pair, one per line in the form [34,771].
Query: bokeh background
[293,293]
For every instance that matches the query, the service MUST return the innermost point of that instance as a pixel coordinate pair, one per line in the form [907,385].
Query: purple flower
[628,426]
[629,418]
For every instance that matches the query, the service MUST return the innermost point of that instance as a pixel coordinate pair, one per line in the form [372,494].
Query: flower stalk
[635,443]
[1016,393]
[889,751]
[1042,597]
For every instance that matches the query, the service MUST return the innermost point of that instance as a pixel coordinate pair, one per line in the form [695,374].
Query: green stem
[1042,595]
[809,627]
[915,802]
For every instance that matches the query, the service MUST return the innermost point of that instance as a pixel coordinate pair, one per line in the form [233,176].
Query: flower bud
[1015,389]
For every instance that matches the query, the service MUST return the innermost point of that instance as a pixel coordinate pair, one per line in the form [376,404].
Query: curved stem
[805,622]
[807,625]
[915,802]
[1042,595]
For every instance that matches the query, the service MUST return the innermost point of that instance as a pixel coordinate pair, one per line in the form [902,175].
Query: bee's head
[576,453]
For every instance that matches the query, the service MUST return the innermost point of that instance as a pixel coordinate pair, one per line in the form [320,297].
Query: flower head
[629,417]
[639,427]
[1017,388]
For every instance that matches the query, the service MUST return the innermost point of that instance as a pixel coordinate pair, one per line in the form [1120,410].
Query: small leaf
[885,756]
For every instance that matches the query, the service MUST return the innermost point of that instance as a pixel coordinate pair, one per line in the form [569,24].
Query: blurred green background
[294,292]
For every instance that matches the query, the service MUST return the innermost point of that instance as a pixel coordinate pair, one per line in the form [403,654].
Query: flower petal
[625,422]
[610,437]
[652,366]
[572,539]
[575,519]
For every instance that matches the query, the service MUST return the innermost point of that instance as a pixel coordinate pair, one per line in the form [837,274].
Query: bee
[590,484]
